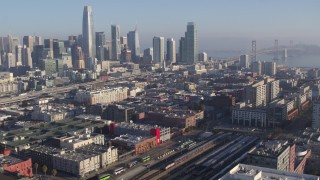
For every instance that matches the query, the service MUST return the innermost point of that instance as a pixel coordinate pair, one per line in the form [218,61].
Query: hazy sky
[224,24]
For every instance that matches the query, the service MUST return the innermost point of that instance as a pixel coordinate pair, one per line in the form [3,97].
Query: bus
[145,159]
[104,177]
[119,170]
[131,164]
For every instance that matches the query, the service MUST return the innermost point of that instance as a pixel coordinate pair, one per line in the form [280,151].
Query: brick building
[138,143]
[14,164]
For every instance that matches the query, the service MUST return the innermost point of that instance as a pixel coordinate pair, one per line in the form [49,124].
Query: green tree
[54,172]
[44,169]
[36,165]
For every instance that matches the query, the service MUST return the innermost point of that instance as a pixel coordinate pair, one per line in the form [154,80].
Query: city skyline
[227,28]
[165,89]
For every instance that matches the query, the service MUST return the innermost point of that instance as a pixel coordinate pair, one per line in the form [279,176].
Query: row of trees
[45,169]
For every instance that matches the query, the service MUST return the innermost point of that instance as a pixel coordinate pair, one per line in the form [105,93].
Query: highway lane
[56,90]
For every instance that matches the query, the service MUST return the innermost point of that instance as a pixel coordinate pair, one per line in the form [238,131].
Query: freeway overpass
[56,90]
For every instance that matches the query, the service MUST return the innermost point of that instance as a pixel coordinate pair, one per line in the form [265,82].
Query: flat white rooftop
[248,172]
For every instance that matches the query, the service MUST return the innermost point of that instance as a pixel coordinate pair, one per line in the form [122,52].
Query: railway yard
[209,158]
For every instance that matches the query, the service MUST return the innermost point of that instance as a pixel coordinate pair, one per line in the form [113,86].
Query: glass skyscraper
[88,41]
[192,43]
[133,44]
[171,51]
[158,50]
[115,36]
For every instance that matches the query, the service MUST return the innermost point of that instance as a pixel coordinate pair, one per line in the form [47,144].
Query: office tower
[28,41]
[2,44]
[244,61]
[316,114]
[158,50]
[10,61]
[133,44]
[80,40]
[9,44]
[182,50]
[273,90]
[100,39]
[37,55]
[203,57]
[123,41]
[115,37]
[48,43]
[26,56]
[14,42]
[58,48]
[88,41]
[79,58]
[18,55]
[72,40]
[66,60]
[100,43]
[171,51]
[108,47]
[192,43]
[126,55]
[148,55]
[37,40]
[256,94]
[100,53]
[270,68]
[256,67]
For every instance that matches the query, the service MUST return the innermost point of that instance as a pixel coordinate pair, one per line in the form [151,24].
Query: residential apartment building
[91,97]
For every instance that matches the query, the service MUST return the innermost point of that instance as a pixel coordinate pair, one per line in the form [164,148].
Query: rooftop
[146,127]
[10,160]
[247,172]
[270,148]
[130,139]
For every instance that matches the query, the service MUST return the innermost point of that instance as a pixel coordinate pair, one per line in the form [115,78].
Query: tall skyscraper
[58,48]
[115,37]
[171,51]
[148,55]
[100,39]
[192,43]
[244,61]
[182,50]
[270,68]
[123,41]
[79,58]
[48,43]
[26,56]
[203,56]
[133,44]
[37,40]
[89,43]
[10,61]
[108,47]
[28,41]
[18,55]
[37,55]
[256,67]
[158,50]
[100,43]
[15,41]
